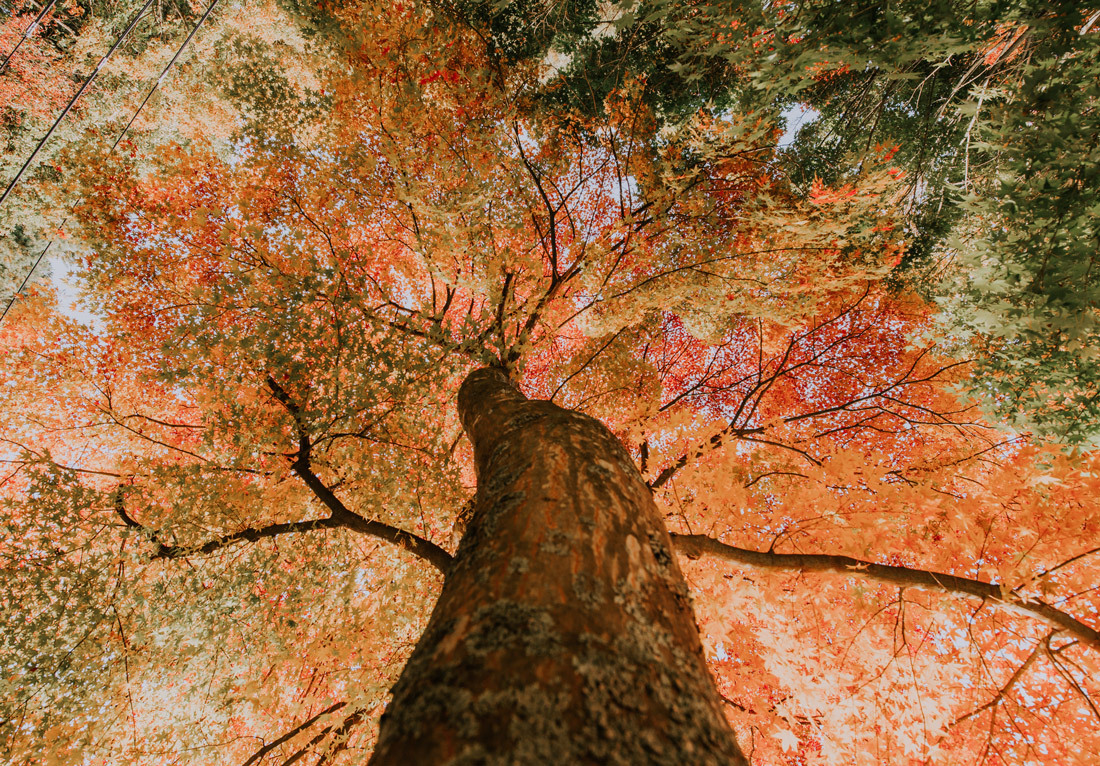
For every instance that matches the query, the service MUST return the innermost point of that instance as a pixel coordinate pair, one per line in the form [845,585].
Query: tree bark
[564,633]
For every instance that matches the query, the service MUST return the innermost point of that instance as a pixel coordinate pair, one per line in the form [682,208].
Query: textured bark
[564,633]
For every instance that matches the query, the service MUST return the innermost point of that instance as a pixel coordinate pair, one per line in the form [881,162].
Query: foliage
[1031,291]
[295,269]
[987,108]
[61,54]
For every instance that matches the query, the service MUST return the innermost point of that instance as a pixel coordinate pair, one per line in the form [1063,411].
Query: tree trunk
[564,633]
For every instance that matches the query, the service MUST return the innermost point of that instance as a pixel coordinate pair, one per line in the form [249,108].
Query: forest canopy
[854,361]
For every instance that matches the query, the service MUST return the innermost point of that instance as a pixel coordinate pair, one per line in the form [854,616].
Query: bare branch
[995,594]
[1000,696]
[342,730]
[344,517]
[245,535]
[589,361]
[252,534]
[291,734]
[1073,682]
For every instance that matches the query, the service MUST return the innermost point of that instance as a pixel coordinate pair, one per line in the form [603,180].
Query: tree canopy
[855,370]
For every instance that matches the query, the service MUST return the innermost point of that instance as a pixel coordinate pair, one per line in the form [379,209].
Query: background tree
[988,108]
[228,503]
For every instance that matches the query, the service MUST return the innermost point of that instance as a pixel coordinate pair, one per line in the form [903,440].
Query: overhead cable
[88,81]
[27,33]
[118,139]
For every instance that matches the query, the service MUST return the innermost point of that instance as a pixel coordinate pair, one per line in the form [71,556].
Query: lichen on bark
[564,631]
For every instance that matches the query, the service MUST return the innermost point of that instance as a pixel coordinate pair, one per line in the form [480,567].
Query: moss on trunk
[564,633]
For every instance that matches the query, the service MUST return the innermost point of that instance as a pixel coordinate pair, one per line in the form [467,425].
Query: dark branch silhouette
[291,734]
[883,406]
[341,514]
[341,517]
[695,546]
[425,549]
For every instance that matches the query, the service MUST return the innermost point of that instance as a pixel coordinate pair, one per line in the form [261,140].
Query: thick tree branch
[344,517]
[698,545]
[245,535]
[341,514]
[346,726]
[251,534]
[127,519]
[280,394]
[709,445]
[341,738]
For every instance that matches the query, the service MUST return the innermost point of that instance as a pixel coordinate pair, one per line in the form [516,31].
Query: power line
[28,32]
[26,278]
[121,135]
[164,72]
[77,95]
